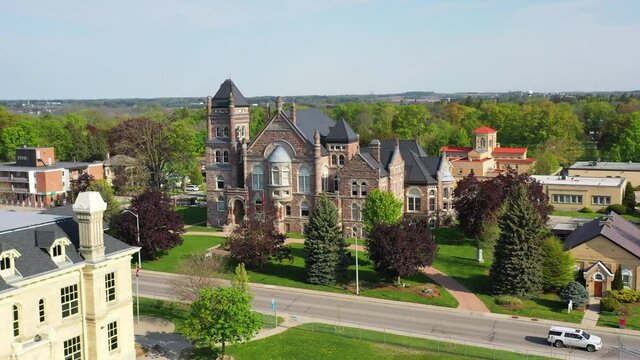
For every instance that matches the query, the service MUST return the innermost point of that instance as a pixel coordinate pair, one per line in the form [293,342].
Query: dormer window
[8,264]
[57,250]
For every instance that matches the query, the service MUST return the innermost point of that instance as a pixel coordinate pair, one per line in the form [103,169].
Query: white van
[563,336]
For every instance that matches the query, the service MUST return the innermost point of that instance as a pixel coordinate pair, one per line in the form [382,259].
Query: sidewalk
[592,312]
[466,299]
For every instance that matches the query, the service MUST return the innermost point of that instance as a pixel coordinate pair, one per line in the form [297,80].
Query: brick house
[302,154]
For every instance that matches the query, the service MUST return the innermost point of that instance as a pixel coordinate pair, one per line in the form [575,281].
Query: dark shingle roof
[419,169]
[310,120]
[613,227]
[374,163]
[341,132]
[221,98]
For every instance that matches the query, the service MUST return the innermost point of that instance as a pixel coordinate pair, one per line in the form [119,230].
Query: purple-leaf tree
[256,241]
[400,250]
[160,225]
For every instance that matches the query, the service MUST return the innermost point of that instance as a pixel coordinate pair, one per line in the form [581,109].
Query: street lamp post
[357,279]
[139,265]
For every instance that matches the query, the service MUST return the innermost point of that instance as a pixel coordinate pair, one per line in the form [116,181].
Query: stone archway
[238,211]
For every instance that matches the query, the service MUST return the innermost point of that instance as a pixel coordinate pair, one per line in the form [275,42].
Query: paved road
[490,329]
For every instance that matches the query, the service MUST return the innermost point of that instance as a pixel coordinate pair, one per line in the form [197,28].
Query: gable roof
[484,130]
[374,163]
[613,227]
[222,98]
[419,168]
[310,120]
[341,132]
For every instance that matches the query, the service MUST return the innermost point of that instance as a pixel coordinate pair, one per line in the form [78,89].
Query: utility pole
[357,278]
[139,264]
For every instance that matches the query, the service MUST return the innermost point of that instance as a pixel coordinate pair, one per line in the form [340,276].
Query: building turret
[89,208]
[374,149]
[317,158]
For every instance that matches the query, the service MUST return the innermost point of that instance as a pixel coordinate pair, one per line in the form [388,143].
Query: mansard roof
[341,132]
[222,98]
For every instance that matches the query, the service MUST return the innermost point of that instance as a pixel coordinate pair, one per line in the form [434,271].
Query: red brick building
[302,154]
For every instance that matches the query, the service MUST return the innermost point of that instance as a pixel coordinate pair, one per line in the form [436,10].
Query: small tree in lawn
[400,250]
[629,199]
[256,240]
[381,207]
[575,292]
[221,315]
[517,259]
[617,283]
[160,225]
[326,257]
[557,266]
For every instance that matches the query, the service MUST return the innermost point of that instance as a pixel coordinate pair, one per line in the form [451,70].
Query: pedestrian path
[592,312]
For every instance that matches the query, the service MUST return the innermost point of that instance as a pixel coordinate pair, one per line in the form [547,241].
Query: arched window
[218,156]
[225,132]
[325,179]
[275,175]
[334,160]
[285,175]
[354,232]
[41,314]
[355,212]
[335,183]
[221,204]
[626,277]
[287,210]
[257,178]
[220,182]
[16,321]
[304,180]
[218,132]
[304,209]
[432,192]
[341,159]
[598,277]
[225,156]
[413,200]
[354,189]
[363,189]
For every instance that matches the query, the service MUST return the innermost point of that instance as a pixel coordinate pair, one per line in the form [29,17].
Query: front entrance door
[597,288]
[238,211]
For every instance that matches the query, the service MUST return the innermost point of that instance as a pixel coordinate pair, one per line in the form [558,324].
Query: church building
[301,154]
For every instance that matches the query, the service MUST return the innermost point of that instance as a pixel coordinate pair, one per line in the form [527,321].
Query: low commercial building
[35,179]
[65,286]
[628,170]
[603,245]
[572,193]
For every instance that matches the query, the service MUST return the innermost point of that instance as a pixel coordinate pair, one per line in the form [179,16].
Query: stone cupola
[89,208]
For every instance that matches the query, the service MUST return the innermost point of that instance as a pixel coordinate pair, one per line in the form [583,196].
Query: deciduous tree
[629,199]
[106,191]
[381,207]
[557,265]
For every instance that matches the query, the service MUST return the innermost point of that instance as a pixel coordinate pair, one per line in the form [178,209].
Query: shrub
[507,300]
[603,210]
[626,295]
[575,292]
[618,209]
[617,283]
[586,210]
[609,304]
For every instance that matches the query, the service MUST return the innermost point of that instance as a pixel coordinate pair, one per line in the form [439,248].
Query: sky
[173,48]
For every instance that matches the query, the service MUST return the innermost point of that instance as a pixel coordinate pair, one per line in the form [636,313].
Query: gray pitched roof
[221,98]
[310,120]
[341,132]
[419,169]
[374,163]
[33,242]
[612,226]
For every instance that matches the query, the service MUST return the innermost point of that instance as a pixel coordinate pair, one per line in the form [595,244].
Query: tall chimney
[374,149]
[293,112]
[89,208]
[279,103]
[209,119]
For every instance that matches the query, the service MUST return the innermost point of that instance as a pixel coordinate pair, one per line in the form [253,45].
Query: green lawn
[634,216]
[320,341]
[192,244]
[456,258]
[295,236]
[202,229]
[613,320]
[192,214]
[292,274]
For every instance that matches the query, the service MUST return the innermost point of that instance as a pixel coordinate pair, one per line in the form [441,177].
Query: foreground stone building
[303,153]
[65,286]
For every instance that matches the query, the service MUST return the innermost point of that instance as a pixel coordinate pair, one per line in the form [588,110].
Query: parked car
[563,336]
[193,187]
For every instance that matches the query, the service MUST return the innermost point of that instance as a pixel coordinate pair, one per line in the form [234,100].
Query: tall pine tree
[517,266]
[326,257]
[629,199]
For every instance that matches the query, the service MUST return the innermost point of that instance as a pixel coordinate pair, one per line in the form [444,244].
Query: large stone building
[486,158]
[301,154]
[65,286]
[36,179]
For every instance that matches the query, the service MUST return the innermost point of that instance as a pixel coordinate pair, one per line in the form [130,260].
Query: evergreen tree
[575,292]
[557,266]
[517,260]
[326,257]
[629,199]
[617,283]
